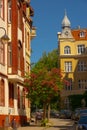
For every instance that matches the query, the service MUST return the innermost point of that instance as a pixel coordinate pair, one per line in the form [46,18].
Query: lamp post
[5,36]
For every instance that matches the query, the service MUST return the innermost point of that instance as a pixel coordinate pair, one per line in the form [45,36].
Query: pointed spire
[65,21]
[65,12]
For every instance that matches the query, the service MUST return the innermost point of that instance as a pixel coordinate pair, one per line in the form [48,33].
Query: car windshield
[83,120]
[83,111]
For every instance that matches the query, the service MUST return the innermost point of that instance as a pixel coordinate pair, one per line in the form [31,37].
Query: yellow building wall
[27,60]
[73,45]
[74,57]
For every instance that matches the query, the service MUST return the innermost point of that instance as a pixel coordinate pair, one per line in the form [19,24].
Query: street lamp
[5,36]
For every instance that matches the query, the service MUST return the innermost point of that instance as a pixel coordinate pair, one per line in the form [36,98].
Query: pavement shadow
[54,124]
[63,127]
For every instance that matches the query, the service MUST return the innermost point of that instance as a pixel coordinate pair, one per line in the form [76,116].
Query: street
[55,124]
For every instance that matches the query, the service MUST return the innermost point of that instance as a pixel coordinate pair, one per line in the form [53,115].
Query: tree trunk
[44,111]
[48,116]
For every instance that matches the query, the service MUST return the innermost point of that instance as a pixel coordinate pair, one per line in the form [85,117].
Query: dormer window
[82,34]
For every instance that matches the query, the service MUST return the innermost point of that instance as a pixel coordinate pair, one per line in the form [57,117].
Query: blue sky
[48,15]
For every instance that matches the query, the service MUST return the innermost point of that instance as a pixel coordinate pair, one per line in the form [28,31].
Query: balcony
[33,32]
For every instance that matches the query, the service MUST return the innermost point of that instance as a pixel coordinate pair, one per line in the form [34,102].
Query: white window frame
[82,34]
[81,48]
[82,84]
[82,66]
[68,66]
[67,50]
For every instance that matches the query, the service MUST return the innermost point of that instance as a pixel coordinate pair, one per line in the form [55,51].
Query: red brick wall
[14,37]
[21,120]
[22,28]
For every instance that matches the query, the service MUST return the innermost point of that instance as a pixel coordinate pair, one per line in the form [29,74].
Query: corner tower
[66,27]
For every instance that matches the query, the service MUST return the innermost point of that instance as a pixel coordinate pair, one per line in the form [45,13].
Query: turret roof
[65,21]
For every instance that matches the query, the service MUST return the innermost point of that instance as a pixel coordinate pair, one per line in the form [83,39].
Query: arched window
[67,50]
[2,93]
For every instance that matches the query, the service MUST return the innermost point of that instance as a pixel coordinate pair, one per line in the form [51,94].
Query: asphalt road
[55,124]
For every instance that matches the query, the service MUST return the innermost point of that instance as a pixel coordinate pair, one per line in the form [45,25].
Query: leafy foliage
[48,61]
[43,85]
[45,81]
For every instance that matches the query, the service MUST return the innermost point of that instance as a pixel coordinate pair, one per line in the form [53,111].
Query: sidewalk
[56,124]
[34,126]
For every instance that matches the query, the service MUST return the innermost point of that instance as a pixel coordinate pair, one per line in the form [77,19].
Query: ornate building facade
[16,21]
[73,59]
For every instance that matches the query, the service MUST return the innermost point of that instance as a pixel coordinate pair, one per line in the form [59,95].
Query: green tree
[45,80]
[48,61]
[43,86]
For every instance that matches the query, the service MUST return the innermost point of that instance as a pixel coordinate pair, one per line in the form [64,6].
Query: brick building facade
[15,19]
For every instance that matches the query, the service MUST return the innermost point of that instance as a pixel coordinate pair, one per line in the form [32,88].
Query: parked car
[62,114]
[39,114]
[54,114]
[65,114]
[79,113]
[82,123]
[74,115]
